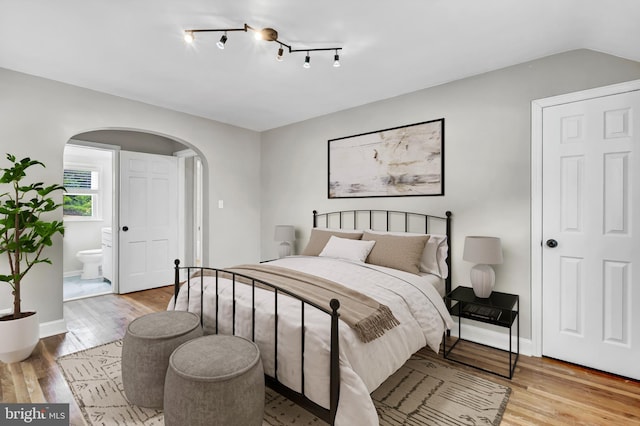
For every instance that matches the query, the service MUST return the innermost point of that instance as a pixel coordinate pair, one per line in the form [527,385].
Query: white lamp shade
[284,233]
[482,250]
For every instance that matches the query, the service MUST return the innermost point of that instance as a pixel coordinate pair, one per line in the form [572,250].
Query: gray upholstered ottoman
[146,348]
[215,380]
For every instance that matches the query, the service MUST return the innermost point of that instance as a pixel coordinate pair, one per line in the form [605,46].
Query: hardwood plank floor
[544,391]
[91,322]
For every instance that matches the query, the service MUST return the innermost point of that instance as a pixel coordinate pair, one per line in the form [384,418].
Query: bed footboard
[299,398]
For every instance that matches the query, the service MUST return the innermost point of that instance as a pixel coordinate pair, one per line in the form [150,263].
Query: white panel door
[148,220]
[591,210]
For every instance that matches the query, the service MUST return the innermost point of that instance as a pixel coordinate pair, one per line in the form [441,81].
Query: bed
[328,349]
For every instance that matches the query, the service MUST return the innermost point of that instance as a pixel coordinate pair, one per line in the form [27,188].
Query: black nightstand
[501,309]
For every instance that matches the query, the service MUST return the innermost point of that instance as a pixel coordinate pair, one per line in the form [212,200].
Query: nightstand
[500,309]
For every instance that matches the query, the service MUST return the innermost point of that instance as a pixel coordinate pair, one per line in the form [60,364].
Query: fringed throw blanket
[365,315]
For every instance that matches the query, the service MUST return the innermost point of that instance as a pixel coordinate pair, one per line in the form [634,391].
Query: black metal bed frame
[300,398]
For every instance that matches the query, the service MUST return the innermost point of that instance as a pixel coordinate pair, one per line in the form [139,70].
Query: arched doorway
[96,153]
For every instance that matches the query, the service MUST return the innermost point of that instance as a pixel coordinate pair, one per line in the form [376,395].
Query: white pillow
[434,256]
[344,248]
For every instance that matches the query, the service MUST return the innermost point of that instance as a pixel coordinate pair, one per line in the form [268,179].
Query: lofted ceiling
[135,49]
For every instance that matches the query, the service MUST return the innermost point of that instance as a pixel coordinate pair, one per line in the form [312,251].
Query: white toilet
[91,263]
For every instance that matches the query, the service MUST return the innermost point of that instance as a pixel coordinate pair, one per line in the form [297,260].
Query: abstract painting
[396,162]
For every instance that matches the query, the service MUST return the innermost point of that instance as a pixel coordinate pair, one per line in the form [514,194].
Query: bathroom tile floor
[74,287]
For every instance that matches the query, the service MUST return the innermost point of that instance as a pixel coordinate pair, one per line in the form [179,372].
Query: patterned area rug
[422,392]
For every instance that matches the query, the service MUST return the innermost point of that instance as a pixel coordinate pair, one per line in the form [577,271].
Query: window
[82,197]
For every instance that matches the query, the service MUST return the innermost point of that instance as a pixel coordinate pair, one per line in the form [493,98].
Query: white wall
[487,158]
[280,176]
[39,116]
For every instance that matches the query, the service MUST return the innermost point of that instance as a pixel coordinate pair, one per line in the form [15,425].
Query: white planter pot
[19,338]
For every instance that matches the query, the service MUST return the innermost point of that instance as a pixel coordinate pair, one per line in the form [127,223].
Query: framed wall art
[396,162]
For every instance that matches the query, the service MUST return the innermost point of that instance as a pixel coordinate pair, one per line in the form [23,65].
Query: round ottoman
[146,348]
[215,380]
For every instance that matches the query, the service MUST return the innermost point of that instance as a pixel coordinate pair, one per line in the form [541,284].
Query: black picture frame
[401,161]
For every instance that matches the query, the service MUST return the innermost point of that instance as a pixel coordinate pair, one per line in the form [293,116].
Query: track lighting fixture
[266,34]
[222,41]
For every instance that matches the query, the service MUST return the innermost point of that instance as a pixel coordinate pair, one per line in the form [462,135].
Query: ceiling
[135,49]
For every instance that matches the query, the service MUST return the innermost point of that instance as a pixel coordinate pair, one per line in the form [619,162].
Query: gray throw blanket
[369,318]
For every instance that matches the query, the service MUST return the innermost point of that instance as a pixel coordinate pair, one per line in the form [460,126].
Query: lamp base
[483,279]
[284,249]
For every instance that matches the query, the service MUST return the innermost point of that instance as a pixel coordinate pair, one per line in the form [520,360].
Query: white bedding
[413,300]
[438,283]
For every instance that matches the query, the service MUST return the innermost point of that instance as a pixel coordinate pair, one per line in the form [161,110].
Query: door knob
[125,228]
[551,243]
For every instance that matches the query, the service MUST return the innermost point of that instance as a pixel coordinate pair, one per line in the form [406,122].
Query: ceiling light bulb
[280,53]
[188,37]
[336,60]
[307,62]
[222,41]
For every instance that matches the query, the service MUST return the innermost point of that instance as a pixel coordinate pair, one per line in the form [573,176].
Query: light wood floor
[544,391]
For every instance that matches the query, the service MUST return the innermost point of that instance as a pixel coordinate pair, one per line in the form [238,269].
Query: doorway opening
[88,220]
[93,208]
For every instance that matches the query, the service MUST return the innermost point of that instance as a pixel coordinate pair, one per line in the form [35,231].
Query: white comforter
[363,366]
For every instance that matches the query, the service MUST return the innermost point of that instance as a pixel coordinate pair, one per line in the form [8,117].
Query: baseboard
[72,273]
[47,329]
[497,337]
[52,328]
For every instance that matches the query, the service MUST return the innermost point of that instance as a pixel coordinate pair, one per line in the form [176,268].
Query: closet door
[148,220]
[591,220]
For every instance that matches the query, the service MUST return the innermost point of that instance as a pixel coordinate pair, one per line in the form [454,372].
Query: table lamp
[285,234]
[484,251]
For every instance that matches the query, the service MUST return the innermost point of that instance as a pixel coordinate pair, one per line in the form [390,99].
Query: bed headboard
[389,220]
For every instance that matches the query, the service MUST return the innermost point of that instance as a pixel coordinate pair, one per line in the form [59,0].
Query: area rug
[422,392]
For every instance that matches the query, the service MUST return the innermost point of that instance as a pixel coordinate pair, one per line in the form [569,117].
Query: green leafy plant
[23,233]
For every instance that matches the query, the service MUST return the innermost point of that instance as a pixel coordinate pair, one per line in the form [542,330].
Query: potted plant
[24,233]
